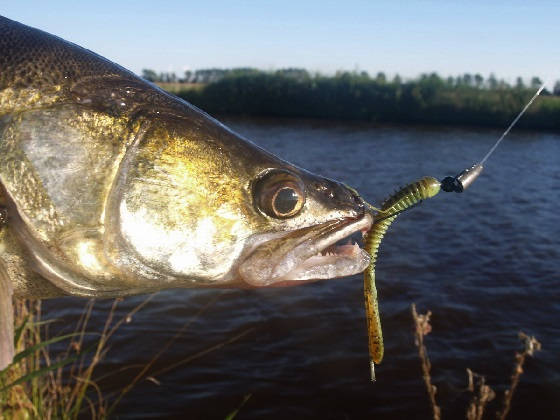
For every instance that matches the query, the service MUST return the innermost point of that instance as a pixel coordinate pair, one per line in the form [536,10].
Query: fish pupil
[285,200]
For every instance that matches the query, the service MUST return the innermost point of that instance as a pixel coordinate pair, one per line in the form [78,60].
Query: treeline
[429,99]
[210,75]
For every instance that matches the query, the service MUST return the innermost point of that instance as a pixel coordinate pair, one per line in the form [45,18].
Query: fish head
[309,224]
[196,204]
[115,187]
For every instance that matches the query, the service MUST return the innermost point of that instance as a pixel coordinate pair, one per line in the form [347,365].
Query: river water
[485,262]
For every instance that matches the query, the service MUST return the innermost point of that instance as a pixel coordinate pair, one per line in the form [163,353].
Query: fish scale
[114,187]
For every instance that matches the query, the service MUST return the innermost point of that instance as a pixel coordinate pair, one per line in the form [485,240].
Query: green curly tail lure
[406,197]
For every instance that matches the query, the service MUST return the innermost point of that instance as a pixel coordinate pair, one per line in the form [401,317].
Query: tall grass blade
[44,370]
[30,350]
[19,330]
[235,412]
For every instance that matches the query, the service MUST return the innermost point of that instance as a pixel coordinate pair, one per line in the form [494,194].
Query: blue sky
[509,38]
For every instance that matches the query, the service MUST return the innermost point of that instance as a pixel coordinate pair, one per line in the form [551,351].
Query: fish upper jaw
[307,254]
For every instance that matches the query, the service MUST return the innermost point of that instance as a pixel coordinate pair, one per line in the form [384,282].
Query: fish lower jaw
[346,260]
[326,256]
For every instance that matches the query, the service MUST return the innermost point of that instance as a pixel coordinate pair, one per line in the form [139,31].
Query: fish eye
[285,201]
[280,194]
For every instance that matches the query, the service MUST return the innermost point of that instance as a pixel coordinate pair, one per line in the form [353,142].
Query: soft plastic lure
[403,199]
[406,197]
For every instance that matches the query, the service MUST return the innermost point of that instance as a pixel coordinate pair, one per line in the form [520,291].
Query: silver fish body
[114,187]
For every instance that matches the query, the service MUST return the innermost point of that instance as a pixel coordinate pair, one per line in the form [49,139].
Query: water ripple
[486,263]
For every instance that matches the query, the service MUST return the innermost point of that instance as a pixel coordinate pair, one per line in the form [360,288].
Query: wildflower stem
[531,346]
[422,328]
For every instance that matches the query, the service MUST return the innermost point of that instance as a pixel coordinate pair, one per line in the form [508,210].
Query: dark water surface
[486,263]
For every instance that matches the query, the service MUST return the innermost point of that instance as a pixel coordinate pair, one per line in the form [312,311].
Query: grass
[177,87]
[40,385]
[44,383]
[483,394]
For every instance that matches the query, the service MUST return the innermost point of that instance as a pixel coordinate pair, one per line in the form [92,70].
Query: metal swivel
[463,180]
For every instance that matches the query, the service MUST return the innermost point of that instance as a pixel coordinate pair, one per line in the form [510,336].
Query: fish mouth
[313,253]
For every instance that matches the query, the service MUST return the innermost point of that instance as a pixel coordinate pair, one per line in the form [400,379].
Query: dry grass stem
[60,386]
[484,394]
[531,345]
[422,328]
[206,351]
[147,366]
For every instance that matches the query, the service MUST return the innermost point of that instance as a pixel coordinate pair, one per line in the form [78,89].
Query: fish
[111,187]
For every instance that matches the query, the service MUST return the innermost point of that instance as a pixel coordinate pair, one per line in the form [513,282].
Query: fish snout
[341,196]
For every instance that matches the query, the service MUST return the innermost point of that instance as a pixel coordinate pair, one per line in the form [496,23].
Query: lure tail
[403,199]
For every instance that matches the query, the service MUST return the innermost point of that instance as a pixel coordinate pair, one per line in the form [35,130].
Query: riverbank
[358,97]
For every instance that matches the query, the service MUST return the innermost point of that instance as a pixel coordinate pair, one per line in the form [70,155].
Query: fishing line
[485,158]
[402,200]
[463,180]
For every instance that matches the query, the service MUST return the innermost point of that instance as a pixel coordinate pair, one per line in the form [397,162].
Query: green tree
[556,90]
[478,80]
[536,82]
[295,73]
[492,81]
[150,75]
[167,77]
[428,99]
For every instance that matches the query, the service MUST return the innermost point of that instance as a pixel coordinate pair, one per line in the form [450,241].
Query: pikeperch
[111,187]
